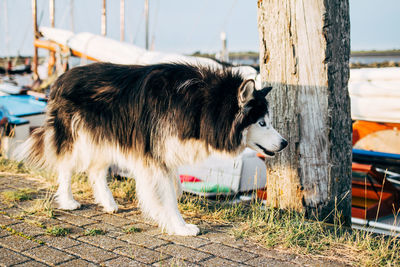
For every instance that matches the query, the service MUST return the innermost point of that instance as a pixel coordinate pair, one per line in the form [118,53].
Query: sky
[185,26]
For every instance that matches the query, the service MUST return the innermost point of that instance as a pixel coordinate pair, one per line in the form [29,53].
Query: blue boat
[23,113]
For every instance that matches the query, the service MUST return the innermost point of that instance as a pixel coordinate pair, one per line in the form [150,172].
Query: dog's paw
[186,230]
[111,208]
[70,204]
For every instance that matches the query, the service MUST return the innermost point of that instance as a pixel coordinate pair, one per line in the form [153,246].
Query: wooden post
[35,35]
[52,55]
[304,55]
[122,20]
[146,12]
[103,19]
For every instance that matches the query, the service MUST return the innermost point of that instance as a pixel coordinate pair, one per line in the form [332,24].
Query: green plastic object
[203,187]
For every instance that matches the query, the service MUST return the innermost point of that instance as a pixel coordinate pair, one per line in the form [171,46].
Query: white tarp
[109,50]
[375,94]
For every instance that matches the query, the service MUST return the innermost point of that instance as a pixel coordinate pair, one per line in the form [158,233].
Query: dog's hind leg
[101,191]
[157,197]
[177,185]
[64,196]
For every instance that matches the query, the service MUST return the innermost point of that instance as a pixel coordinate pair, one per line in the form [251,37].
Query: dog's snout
[284,144]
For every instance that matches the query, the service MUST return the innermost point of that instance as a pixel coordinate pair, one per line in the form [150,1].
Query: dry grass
[42,206]
[21,194]
[271,228]
[293,232]
[94,232]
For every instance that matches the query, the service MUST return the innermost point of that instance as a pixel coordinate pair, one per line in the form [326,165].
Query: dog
[147,120]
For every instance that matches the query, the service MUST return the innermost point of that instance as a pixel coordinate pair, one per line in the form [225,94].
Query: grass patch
[15,232]
[94,232]
[293,232]
[57,231]
[123,188]
[7,165]
[18,195]
[41,207]
[132,230]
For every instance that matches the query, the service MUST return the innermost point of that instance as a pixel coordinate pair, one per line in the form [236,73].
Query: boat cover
[15,107]
[375,94]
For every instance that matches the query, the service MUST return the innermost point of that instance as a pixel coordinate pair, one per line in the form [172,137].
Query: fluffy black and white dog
[148,120]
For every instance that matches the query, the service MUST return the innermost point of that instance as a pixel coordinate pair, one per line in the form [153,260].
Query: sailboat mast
[146,12]
[122,20]
[71,14]
[103,19]
[52,58]
[35,35]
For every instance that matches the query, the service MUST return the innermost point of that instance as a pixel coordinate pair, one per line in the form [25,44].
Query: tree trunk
[304,55]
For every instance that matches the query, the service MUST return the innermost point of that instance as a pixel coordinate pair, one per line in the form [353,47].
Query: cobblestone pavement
[24,242]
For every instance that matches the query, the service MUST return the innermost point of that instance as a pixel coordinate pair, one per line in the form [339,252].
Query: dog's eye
[262,123]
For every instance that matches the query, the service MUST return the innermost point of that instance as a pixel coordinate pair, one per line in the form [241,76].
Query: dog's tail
[32,151]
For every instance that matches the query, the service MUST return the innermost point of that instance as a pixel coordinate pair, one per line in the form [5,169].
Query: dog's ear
[264,92]
[245,93]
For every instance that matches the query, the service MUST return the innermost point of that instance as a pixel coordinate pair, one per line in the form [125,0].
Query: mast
[122,20]
[71,14]
[35,35]
[52,58]
[103,19]
[146,12]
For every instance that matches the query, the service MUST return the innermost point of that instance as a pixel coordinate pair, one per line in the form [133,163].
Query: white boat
[106,49]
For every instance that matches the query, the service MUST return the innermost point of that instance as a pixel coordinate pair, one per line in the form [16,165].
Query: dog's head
[253,106]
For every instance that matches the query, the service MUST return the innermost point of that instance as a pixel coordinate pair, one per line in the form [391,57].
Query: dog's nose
[284,143]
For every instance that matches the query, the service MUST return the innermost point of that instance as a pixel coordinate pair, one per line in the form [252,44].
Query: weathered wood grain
[304,55]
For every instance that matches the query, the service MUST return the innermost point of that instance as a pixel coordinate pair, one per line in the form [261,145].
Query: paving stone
[4,232]
[175,262]
[6,220]
[143,227]
[141,254]
[48,255]
[153,232]
[227,252]
[91,253]
[217,261]
[123,261]
[77,263]
[183,253]
[32,263]
[113,220]
[88,211]
[9,257]
[109,229]
[269,262]
[103,241]
[144,240]
[18,243]
[60,242]
[129,211]
[75,220]
[188,241]
[224,238]
[270,253]
[28,229]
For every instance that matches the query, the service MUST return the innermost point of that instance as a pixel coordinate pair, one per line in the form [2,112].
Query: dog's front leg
[157,197]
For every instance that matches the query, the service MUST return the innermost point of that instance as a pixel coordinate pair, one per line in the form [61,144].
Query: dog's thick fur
[147,120]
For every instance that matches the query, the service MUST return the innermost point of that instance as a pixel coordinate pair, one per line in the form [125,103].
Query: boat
[21,115]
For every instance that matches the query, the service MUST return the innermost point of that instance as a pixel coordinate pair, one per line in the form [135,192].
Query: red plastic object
[189,178]
[367,196]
